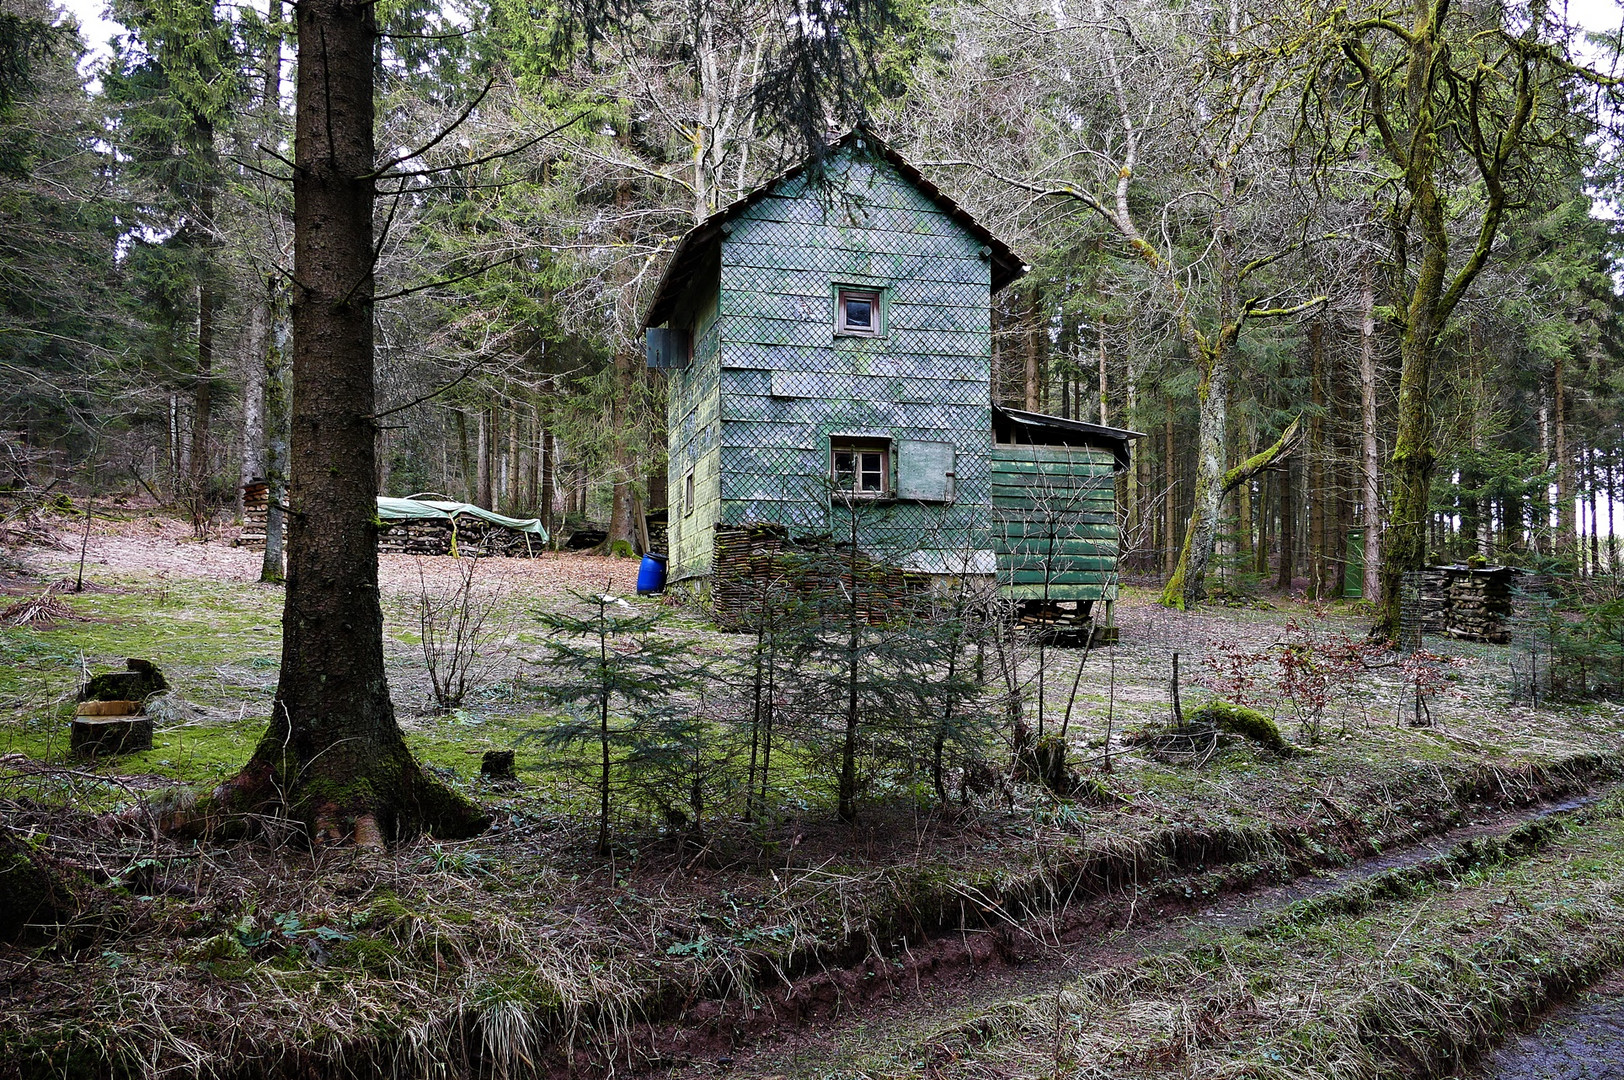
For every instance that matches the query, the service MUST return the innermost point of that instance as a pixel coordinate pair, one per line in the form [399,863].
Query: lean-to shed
[828,345]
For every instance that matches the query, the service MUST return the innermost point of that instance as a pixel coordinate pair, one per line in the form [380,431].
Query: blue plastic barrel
[651,575]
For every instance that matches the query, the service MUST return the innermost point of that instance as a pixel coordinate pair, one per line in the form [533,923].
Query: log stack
[1467,602]
[758,560]
[256,509]
[471,536]
[111,715]
[415,538]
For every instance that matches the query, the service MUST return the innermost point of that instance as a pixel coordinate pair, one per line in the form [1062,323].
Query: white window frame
[688,493]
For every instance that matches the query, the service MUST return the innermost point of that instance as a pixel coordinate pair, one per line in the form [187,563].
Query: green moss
[1246,723]
[375,956]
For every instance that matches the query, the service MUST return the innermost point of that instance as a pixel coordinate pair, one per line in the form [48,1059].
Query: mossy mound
[34,892]
[1246,723]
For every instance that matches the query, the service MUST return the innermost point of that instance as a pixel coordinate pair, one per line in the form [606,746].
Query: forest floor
[1390,902]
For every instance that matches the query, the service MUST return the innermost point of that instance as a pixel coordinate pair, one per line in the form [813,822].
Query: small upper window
[857,312]
[688,494]
[861,470]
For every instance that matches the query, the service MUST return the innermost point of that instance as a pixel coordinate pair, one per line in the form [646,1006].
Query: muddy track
[802,1024]
[1581,1039]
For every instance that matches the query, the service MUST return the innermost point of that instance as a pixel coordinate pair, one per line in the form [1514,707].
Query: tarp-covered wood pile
[428,527]
[436,527]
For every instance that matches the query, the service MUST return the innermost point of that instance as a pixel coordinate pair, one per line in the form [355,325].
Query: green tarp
[426,510]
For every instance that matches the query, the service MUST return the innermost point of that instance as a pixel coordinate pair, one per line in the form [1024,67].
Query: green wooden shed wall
[1054,522]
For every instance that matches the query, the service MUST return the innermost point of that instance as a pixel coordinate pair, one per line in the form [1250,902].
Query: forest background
[1228,250]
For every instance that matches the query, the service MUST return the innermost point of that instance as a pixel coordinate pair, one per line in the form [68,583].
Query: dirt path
[1105,933]
[1582,1040]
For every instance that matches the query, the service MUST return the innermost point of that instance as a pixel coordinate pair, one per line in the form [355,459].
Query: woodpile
[256,509]
[415,538]
[111,715]
[470,536]
[758,563]
[1473,603]
[658,523]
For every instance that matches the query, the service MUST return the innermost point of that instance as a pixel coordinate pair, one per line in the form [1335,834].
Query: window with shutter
[860,469]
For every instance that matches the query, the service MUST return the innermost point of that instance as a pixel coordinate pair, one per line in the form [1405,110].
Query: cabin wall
[1054,522]
[788,383]
[693,443]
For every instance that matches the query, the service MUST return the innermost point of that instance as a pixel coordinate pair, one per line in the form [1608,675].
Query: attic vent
[667,348]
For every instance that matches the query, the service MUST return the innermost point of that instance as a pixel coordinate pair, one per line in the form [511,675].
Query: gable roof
[702,238]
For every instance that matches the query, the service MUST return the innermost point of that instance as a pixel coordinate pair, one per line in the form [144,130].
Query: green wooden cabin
[828,347]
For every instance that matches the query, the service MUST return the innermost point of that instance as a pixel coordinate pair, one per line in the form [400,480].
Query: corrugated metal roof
[1006,265]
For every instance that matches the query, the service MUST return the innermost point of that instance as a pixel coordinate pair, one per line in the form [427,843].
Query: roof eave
[1006,265]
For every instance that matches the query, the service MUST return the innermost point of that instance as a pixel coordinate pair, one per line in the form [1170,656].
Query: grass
[508,947]
[1408,976]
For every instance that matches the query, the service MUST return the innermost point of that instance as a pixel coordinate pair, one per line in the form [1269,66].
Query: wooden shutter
[925,471]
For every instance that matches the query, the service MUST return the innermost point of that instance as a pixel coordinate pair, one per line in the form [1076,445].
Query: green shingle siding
[925,379]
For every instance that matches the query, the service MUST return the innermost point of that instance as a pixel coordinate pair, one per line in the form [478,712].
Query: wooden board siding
[788,382]
[1054,522]
[693,442]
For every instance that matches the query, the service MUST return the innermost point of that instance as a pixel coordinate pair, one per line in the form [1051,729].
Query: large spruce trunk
[333,756]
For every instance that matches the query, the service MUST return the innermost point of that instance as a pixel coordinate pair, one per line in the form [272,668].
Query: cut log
[139,682]
[104,736]
[107,708]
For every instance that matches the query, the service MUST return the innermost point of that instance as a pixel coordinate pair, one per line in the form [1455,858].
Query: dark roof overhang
[1041,429]
[692,248]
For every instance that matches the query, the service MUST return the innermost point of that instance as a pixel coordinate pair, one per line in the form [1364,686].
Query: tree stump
[109,718]
[497,765]
[101,732]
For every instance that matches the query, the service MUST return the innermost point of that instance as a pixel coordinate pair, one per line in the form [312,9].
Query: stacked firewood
[415,538]
[1467,602]
[256,508]
[471,536]
[757,562]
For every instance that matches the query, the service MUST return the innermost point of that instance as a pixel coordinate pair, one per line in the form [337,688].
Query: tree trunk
[1132,482]
[512,493]
[277,407]
[1170,490]
[1318,497]
[1288,532]
[465,459]
[621,527]
[333,757]
[254,369]
[549,479]
[1566,518]
[203,401]
[537,443]
[257,368]
[1595,523]
[482,491]
[1031,382]
[1370,451]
